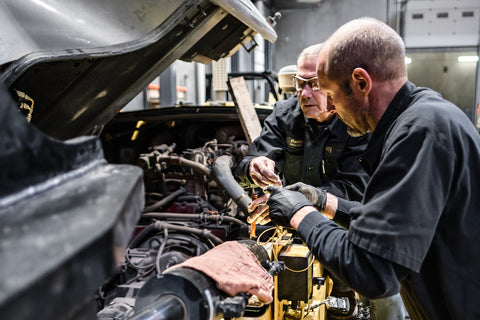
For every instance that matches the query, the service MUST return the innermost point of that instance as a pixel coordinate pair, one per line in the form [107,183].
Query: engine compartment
[192,201]
[192,205]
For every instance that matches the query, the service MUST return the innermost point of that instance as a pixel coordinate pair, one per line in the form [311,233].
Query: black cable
[203,233]
[142,235]
[165,201]
[160,250]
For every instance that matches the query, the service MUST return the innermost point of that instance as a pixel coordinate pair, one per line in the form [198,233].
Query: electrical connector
[334,303]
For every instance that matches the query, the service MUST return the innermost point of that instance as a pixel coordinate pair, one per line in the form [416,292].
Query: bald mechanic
[417,228]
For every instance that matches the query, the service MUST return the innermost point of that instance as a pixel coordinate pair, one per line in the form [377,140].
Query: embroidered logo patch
[293,143]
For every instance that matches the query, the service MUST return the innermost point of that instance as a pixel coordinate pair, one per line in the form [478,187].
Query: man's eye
[314,85]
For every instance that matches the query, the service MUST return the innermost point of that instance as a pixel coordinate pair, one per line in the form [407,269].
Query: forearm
[300,215]
[338,210]
[368,274]
[330,206]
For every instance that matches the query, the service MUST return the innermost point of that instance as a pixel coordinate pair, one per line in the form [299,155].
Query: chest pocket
[332,152]
[293,163]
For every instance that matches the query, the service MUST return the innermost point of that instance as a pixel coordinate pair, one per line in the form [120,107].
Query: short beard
[354,132]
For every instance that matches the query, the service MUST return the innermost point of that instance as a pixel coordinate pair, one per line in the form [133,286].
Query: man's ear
[361,80]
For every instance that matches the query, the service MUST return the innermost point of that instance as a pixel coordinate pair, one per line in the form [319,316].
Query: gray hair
[312,50]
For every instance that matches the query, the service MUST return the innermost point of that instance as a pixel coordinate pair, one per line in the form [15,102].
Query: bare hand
[258,210]
[262,172]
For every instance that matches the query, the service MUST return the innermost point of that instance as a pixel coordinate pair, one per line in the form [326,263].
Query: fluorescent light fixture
[467,58]
[408,60]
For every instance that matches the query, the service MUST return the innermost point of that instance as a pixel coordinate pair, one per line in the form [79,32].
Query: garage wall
[309,24]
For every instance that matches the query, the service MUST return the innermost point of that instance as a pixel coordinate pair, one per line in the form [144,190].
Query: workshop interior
[121,121]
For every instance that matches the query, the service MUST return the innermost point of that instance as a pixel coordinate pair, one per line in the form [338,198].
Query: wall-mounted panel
[436,23]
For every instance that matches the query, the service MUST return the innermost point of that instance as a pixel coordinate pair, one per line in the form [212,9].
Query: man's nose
[307,91]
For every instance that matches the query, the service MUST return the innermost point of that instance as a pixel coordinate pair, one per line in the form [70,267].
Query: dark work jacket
[418,224]
[304,150]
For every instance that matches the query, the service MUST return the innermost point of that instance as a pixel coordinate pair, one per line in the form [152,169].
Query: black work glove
[283,204]
[317,196]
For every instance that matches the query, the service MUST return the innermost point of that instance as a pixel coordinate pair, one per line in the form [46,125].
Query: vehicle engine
[192,205]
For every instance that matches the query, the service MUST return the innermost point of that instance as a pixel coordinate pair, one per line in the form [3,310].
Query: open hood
[82,61]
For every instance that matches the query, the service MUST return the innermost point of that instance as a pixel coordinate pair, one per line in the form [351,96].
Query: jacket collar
[400,103]
[332,126]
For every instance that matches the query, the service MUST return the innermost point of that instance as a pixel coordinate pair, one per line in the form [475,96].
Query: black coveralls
[306,151]
[419,221]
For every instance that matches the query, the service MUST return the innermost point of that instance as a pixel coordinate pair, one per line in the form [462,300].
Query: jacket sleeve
[342,215]
[270,143]
[241,172]
[350,179]
[366,273]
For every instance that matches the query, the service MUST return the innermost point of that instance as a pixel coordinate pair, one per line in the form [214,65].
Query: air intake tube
[222,173]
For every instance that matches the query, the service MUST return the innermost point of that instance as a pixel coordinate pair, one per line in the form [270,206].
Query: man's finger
[264,220]
[273,179]
[261,200]
[263,217]
[254,204]
[259,180]
[270,175]
[292,187]
[265,178]
[271,189]
[259,211]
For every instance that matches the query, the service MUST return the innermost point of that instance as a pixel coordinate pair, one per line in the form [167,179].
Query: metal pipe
[159,225]
[203,233]
[181,161]
[191,216]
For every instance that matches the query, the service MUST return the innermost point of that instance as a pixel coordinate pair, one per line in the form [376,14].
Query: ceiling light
[408,60]
[467,58]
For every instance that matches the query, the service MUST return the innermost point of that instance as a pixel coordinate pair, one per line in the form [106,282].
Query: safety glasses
[300,83]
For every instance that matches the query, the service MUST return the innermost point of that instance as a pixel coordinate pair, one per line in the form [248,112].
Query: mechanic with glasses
[302,140]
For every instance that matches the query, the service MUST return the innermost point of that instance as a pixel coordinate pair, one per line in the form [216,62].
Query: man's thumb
[272,189]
